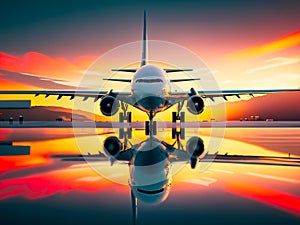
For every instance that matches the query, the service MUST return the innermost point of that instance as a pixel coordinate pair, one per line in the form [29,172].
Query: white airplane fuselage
[150,172]
[150,88]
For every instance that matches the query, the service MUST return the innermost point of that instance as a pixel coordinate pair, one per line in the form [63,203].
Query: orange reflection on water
[39,154]
[275,186]
[275,198]
[58,181]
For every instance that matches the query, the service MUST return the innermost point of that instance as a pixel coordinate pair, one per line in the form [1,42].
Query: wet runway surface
[38,188]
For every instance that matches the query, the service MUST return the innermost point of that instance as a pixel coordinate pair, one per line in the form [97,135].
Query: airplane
[150,93]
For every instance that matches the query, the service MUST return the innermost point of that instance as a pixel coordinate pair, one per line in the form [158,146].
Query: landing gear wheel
[129,133]
[182,133]
[121,117]
[121,133]
[181,118]
[173,133]
[174,117]
[125,133]
[129,117]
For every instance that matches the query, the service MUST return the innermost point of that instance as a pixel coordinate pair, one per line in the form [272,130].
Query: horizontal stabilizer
[182,80]
[119,80]
[166,70]
[177,70]
[125,70]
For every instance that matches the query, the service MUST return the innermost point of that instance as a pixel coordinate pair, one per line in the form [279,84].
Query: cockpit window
[151,192]
[157,80]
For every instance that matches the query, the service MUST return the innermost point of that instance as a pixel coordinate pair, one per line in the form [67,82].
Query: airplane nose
[152,194]
[151,102]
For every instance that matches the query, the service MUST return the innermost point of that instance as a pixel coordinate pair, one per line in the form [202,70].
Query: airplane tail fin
[144,59]
[145,44]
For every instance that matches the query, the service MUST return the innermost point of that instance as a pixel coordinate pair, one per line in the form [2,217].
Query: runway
[141,125]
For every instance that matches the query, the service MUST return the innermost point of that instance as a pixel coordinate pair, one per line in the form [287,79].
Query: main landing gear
[125,132]
[178,120]
[178,117]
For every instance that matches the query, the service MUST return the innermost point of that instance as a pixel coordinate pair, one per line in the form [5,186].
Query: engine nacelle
[112,147]
[195,104]
[109,105]
[194,148]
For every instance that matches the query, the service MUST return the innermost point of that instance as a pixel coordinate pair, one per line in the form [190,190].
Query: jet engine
[195,104]
[112,147]
[109,105]
[194,148]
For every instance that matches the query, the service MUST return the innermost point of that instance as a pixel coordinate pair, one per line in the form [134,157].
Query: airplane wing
[124,157]
[92,94]
[68,93]
[81,158]
[237,93]
[211,94]
[173,98]
[253,160]
[182,156]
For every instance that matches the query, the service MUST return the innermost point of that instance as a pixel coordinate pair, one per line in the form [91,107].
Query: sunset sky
[48,45]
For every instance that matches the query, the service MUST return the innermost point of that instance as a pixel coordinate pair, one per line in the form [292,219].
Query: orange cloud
[42,65]
[12,85]
[287,41]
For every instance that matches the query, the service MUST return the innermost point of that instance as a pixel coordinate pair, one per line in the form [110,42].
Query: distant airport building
[269,119]
[15,104]
[251,118]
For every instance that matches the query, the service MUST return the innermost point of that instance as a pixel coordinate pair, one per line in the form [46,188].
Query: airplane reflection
[150,165]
